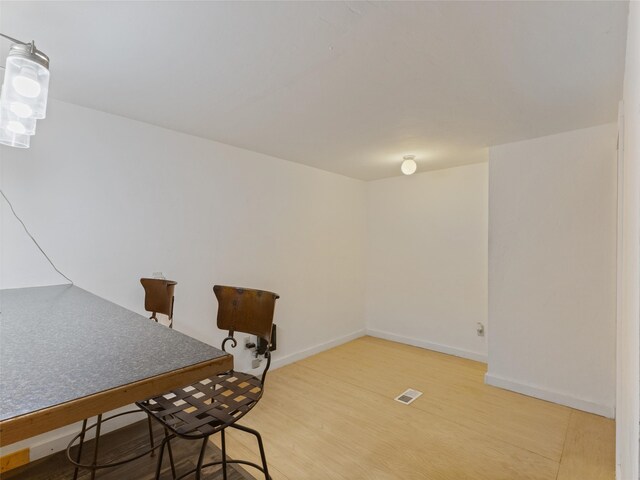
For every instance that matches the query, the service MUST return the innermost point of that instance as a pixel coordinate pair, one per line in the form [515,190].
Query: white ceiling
[347,87]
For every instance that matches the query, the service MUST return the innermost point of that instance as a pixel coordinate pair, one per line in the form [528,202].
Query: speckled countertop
[60,343]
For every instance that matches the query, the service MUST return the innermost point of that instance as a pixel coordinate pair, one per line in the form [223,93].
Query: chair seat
[206,407]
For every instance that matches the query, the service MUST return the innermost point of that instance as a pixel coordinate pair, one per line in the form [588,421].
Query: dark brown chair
[211,405]
[158,297]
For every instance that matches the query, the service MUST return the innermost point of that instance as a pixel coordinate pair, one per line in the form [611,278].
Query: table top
[61,343]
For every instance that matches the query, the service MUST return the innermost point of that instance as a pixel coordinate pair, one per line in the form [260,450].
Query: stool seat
[207,406]
[214,404]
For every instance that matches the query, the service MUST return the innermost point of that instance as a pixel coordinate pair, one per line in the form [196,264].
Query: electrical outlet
[158,275]
[255,363]
[480,329]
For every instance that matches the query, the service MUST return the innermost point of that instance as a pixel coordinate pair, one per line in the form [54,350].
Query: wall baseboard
[294,357]
[549,395]
[437,347]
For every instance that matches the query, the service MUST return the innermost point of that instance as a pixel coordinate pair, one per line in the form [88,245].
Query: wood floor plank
[589,451]
[332,416]
[368,434]
[454,389]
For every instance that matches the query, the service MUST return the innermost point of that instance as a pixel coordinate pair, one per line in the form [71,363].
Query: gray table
[66,354]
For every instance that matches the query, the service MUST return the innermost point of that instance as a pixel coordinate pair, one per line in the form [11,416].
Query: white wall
[111,200]
[427,259]
[628,397]
[91,183]
[552,267]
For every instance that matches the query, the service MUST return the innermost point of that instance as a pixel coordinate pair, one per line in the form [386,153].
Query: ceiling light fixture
[409,165]
[25,89]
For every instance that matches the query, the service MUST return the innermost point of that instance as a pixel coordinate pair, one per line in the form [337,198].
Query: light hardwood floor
[332,416]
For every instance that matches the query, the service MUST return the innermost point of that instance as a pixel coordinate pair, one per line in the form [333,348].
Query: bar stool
[158,297]
[197,411]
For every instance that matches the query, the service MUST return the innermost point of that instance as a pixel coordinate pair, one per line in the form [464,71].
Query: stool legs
[160,457]
[173,466]
[166,441]
[79,456]
[95,447]
[201,457]
[223,462]
[76,460]
[263,457]
[260,446]
[224,455]
[151,442]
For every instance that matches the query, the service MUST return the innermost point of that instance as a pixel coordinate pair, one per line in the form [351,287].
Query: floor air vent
[408,396]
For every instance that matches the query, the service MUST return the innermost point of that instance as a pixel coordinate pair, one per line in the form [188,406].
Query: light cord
[31,237]
[14,40]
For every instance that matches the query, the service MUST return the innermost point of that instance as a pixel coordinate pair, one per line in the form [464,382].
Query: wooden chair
[159,297]
[211,405]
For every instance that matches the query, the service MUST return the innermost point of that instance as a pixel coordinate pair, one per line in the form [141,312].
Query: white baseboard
[294,357]
[437,347]
[549,395]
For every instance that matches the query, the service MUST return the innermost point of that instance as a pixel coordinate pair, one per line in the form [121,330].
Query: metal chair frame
[94,466]
[224,461]
[217,425]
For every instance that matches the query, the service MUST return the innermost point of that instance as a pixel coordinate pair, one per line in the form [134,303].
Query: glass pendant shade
[23,98]
[26,82]
[21,109]
[14,123]
[14,139]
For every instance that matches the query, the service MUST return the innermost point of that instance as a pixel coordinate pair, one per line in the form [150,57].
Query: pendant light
[25,89]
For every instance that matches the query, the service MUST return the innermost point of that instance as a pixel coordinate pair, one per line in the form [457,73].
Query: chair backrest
[245,310]
[158,297]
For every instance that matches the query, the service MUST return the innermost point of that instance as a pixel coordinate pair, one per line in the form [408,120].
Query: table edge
[24,426]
